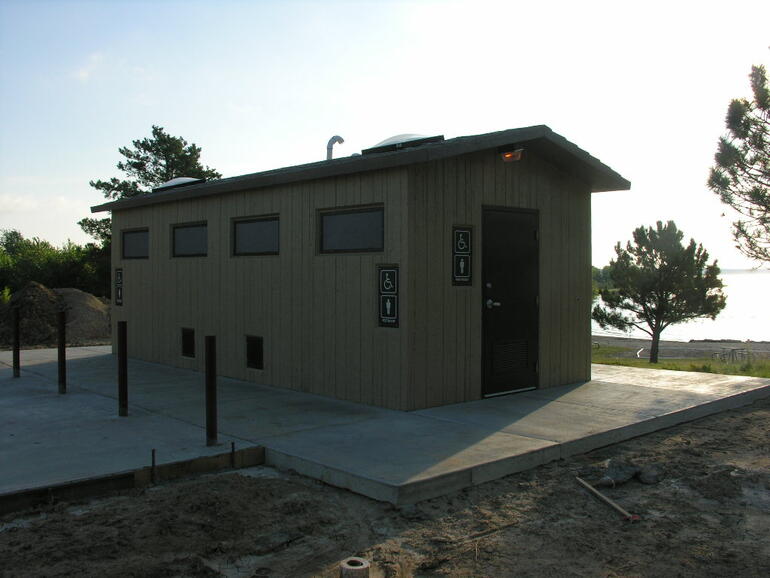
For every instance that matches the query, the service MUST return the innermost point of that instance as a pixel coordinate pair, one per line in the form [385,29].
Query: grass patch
[627,357]
[610,352]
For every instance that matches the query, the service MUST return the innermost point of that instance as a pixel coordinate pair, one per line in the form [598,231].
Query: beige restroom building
[419,273]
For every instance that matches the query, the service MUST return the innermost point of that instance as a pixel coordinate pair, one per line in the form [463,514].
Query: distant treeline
[84,267]
[600,279]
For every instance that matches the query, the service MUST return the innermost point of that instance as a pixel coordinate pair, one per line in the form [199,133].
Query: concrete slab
[253,411]
[402,452]
[388,455]
[51,438]
[639,402]
[47,438]
[707,383]
[530,416]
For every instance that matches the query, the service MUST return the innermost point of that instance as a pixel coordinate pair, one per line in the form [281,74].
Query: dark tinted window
[254,358]
[136,244]
[255,236]
[190,240]
[188,342]
[353,230]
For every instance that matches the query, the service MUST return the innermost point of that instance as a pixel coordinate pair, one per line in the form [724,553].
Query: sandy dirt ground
[709,515]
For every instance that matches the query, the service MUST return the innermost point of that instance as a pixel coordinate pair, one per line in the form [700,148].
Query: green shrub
[23,260]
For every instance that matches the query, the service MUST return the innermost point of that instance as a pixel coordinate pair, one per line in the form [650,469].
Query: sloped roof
[539,139]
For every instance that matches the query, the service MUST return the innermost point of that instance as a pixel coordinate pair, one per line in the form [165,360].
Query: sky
[643,86]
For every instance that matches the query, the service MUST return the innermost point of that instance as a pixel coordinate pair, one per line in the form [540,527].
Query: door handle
[490,304]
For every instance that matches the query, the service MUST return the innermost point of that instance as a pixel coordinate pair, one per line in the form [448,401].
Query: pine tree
[151,162]
[741,175]
[658,282]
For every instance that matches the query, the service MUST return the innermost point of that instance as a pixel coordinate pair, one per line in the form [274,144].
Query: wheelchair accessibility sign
[388,295]
[462,240]
[389,281]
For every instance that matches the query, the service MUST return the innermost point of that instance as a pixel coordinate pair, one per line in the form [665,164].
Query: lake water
[746,316]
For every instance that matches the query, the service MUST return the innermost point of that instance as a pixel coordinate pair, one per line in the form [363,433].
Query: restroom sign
[462,268]
[462,249]
[387,281]
[118,286]
[388,309]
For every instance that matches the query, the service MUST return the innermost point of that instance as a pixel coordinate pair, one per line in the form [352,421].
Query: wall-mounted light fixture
[511,155]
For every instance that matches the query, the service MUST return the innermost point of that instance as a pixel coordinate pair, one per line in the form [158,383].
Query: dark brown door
[509,300]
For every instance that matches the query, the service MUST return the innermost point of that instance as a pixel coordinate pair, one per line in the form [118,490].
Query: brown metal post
[61,319]
[211,390]
[122,370]
[16,343]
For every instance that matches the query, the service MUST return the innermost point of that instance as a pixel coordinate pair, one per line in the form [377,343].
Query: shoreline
[694,348]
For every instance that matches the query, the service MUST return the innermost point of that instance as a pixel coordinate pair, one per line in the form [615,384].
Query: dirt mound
[88,319]
[37,306]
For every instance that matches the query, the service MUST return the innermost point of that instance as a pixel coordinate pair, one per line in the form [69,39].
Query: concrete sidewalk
[400,457]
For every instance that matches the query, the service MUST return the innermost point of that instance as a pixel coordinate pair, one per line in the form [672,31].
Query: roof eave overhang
[542,139]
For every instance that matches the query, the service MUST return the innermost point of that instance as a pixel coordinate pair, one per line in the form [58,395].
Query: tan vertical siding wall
[317,313]
[445,363]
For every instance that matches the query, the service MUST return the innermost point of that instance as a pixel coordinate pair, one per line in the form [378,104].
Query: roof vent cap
[402,141]
[177,182]
[400,138]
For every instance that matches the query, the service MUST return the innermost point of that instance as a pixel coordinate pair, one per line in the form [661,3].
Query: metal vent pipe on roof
[332,141]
